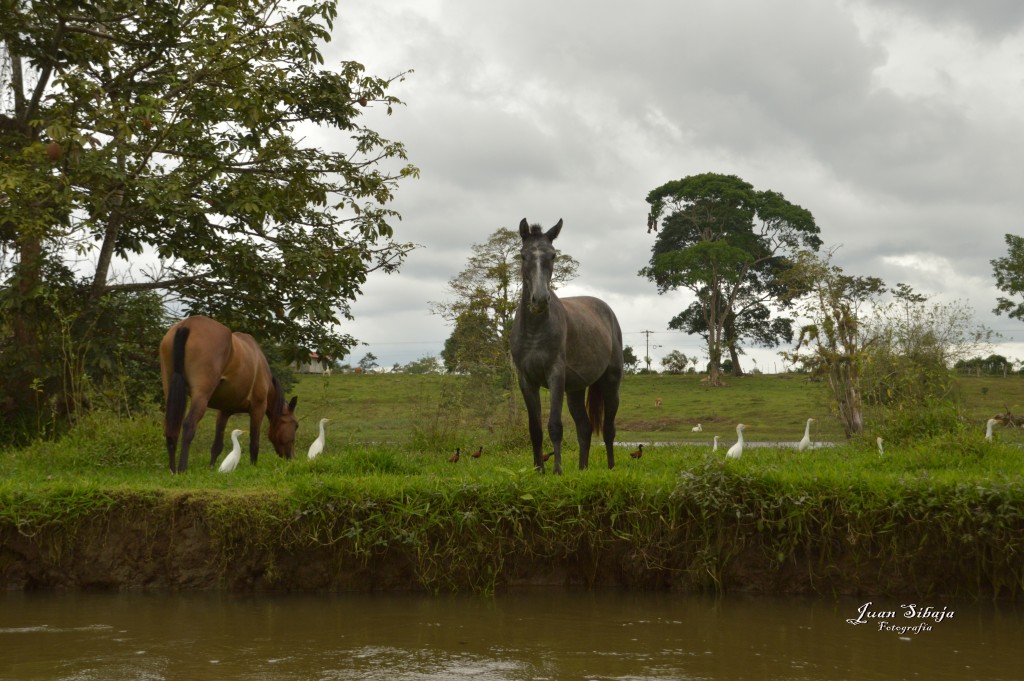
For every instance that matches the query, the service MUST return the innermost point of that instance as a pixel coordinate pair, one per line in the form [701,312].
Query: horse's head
[283,425]
[538,264]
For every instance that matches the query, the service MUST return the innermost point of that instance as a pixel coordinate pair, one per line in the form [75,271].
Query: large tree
[887,348]
[176,134]
[834,343]
[727,243]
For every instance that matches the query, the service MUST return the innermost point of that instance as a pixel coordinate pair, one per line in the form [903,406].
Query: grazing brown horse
[202,359]
[572,346]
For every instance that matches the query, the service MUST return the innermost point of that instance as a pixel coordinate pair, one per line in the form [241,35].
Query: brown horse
[202,359]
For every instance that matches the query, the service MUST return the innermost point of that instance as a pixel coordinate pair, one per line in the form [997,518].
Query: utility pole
[647,353]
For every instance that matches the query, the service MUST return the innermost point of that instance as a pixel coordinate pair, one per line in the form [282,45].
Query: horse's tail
[177,390]
[595,408]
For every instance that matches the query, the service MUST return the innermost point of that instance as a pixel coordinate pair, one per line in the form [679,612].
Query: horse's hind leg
[218,437]
[584,431]
[188,431]
[611,408]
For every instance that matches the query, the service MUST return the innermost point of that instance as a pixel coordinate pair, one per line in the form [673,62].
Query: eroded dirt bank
[262,542]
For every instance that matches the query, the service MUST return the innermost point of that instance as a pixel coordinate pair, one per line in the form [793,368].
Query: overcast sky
[899,124]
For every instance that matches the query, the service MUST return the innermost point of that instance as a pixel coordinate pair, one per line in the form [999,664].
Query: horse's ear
[524,228]
[552,233]
[291,405]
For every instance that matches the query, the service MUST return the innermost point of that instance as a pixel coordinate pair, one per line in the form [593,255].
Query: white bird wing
[230,461]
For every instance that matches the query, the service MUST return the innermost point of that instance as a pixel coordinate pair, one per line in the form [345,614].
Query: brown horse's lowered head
[282,423]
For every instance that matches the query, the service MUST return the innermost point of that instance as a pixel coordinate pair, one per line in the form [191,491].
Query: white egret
[696,429]
[318,444]
[714,446]
[737,449]
[988,428]
[878,441]
[230,461]
[806,442]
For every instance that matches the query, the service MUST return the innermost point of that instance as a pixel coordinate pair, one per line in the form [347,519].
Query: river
[536,634]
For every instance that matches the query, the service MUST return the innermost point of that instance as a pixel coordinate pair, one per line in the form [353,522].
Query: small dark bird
[454,458]
[638,453]
[548,456]
[478,452]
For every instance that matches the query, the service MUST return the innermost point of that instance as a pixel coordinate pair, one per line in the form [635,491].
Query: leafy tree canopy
[177,134]
[727,243]
[1009,273]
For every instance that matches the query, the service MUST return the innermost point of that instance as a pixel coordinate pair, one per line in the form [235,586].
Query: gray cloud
[896,124]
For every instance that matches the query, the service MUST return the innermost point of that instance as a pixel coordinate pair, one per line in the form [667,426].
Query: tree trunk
[734,356]
[851,409]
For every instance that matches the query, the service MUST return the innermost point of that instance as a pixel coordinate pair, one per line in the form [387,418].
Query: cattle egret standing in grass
[878,441]
[737,449]
[806,442]
[318,444]
[988,428]
[696,429]
[230,461]
[714,445]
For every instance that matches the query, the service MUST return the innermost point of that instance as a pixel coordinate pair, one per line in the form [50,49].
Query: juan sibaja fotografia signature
[899,621]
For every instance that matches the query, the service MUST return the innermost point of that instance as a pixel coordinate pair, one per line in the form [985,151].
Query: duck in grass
[454,458]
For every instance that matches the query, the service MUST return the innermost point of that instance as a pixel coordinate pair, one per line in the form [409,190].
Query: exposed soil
[172,545]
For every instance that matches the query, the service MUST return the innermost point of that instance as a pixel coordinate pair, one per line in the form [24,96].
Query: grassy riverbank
[98,509]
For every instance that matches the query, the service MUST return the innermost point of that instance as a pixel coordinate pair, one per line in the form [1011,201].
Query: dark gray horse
[566,345]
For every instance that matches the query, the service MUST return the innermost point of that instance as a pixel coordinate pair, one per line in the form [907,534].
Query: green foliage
[728,244]
[629,360]
[993,365]
[675,362]
[912,346]
[172,129]
[1009,274]
[428,364]
[834,340]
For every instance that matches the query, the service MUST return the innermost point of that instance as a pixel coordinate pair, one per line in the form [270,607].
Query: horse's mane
[536,230]
[277,406]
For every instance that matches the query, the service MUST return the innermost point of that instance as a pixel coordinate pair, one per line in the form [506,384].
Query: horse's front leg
[255,424]
[578,410]
[531,396]
[218,436]
[557,388]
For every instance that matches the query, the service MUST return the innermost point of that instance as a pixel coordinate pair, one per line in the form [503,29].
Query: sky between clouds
[898,124]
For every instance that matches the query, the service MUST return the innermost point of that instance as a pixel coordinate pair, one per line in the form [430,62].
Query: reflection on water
[535,635]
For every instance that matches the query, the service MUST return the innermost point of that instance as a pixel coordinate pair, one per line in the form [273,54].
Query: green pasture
[409,425]
[384,408]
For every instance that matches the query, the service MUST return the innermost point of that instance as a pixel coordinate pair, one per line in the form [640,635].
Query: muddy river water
[538,634]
